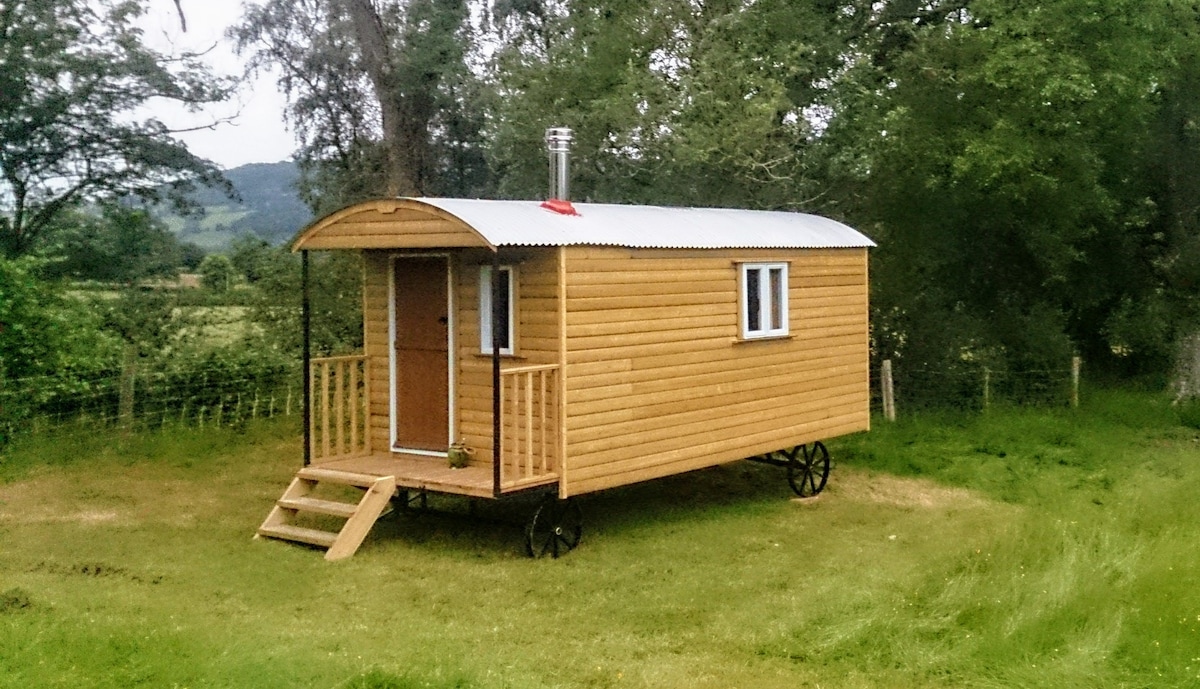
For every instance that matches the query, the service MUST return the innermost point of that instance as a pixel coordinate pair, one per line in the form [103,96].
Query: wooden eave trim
[383,206]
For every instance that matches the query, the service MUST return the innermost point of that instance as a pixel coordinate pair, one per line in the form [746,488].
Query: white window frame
[485,310]
[767,328]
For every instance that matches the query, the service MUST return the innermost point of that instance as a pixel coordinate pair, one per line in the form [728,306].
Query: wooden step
[289,532]
[359,518]
[330,507]
[345,478]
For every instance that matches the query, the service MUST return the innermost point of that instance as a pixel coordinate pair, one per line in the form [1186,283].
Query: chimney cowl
[558,146]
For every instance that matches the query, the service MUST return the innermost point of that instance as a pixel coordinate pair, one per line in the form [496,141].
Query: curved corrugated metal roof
[527,223]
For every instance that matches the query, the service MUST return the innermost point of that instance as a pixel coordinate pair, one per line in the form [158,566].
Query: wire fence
[973,387]
[218,396]
[147,400]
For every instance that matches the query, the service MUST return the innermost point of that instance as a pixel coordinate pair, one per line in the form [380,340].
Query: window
[504,311]
[764,306]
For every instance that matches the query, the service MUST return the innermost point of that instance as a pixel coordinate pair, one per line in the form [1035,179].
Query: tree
[380,94]
[74,73]
[217,272]
[121,244]
[696,103]
[671,101]
[251,256]
[44,336]
[336,300]
[1019,179]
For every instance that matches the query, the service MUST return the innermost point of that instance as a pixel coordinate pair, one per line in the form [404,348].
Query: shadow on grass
[496,527]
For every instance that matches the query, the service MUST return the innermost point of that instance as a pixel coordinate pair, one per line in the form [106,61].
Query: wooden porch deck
[433,474]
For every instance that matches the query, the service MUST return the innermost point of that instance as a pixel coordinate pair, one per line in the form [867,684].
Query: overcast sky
[258,135]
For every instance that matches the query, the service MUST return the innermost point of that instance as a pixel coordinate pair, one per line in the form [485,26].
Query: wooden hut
[573,348]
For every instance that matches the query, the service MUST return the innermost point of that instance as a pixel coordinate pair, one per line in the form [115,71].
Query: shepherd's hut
[572,347]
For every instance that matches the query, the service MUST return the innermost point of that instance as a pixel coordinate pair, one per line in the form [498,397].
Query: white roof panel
[527,223]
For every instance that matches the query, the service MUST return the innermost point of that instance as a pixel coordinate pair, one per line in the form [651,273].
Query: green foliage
[217,273]
[1189,413]
[251,256]
[43,333]
[670,104]
[142,317]
[190,255]
[74,74]
[121,244]
[1008,183]
[420,133]
[336,292]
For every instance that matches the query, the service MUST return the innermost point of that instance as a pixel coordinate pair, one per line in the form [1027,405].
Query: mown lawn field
[1018,548]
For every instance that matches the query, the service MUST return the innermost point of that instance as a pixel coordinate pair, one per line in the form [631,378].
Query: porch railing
[340,395]
[530,425]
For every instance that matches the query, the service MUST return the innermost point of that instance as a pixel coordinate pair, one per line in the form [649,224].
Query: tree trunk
[377,60]
[1187,369]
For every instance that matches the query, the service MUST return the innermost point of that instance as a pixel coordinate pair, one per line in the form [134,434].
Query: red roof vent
[560,206]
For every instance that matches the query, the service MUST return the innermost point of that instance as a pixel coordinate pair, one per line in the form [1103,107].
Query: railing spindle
[354,402]
[527,462]
[325,408]
[339,379]
[339,404]
[542,375]
[530,423]
[516,427]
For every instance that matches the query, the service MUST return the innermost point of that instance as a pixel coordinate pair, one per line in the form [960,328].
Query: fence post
[126,391]
[987,387]
[1076,364]
[888,391]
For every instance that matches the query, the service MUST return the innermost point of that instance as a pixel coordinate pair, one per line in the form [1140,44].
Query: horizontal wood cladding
[375,345]
[536,340]
[659,383]
[706,455]
[370,227]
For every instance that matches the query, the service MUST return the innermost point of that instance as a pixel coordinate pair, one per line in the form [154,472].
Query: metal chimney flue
[558,144]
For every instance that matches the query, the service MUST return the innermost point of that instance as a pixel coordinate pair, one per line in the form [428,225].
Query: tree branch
[182,19]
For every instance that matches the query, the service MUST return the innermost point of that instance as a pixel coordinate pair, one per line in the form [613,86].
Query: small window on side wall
[764,295]
[505,310]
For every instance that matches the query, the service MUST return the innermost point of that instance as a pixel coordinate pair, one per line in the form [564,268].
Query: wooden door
[421,317]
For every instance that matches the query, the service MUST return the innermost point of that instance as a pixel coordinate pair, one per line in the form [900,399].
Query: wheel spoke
[808,468]
[554,529]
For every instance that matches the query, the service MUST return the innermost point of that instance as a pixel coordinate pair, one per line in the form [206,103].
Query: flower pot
[459,455]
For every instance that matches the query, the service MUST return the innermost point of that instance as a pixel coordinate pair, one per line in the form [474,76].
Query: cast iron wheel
[554,529]
[807,476]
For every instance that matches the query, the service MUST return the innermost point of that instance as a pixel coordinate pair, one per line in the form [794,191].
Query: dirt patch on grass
[97,499]
[911,493]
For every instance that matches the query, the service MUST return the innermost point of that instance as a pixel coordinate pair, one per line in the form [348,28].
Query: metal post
[496,420]
[306,327]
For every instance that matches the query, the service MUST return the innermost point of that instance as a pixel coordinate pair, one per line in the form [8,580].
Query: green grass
[219,325]
[1021,548]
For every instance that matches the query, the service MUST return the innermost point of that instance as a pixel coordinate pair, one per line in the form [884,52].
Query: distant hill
[269,208]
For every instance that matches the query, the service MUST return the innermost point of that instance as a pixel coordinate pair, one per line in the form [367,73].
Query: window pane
[503,313]
[753,300]
[503,308]
[777,287]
